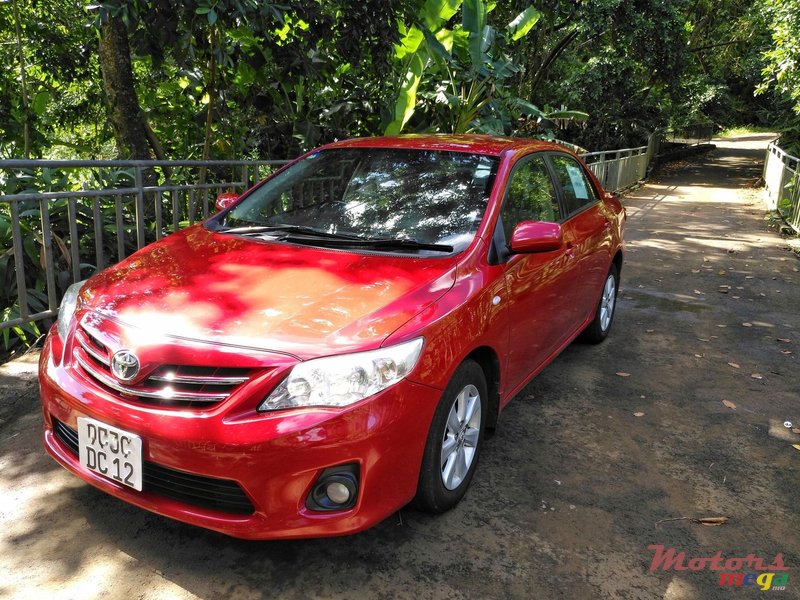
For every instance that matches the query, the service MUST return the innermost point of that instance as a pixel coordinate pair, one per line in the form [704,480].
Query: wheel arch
[617,262]
[489,362]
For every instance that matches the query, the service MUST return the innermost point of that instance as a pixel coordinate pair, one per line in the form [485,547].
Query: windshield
[424,196]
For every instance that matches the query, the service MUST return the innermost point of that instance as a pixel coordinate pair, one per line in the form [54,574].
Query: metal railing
[57,237]
[619,169]
[782,184]
[690,135]
[67,219]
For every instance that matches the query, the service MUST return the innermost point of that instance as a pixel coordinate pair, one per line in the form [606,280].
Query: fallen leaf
[695,270]
[748,277]
[721,272]
[698,356]
[642,397]
[729,404]
[707,521]
[734,365]
[795,429]
[711,521]
[786,351]
[757,376]
[638,414]
[723,290]
[785,340]
[745,324]
[721,326]
[623,374]
[649,330]
[796,446]
[704,339]
[699,293]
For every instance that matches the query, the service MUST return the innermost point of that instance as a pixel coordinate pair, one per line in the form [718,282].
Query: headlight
[67,309]
[345,379]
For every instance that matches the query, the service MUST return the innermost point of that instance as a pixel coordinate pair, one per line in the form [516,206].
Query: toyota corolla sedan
[333,343]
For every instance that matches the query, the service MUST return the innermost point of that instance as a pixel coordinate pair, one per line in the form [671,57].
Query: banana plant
[461,74]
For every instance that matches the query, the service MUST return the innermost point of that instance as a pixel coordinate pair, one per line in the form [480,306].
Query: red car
[334,343]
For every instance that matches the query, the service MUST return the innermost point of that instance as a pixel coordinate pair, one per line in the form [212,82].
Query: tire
[445,477]
[598,329]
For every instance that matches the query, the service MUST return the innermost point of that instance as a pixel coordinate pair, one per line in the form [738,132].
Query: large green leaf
[473,17]
[407,98]
[409,42]
[40,102]
[436,13]
[436,48]
[446,37]
[474,22]
[523,23]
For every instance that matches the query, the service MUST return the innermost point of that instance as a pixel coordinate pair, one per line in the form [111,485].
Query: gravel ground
[678,414]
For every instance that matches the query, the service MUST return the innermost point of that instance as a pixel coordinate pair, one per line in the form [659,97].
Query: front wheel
[597,330]
[454,440]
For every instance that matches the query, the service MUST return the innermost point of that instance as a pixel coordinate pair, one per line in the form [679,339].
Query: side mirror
[536,236]
[225,200]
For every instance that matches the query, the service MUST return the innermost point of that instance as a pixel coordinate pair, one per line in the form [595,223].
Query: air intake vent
[207,492]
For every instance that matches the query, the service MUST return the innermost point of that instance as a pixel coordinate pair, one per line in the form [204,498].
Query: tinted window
[577,188]
[430,196]
[530,196]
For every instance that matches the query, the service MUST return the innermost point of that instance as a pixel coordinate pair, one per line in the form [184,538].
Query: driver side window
[530,196]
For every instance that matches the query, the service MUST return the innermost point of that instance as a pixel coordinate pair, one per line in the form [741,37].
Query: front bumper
[275,458]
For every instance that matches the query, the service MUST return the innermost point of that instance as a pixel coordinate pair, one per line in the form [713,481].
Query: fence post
[140,240]
[19,260]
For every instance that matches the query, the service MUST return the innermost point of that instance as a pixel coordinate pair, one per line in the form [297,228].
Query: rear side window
[575,185]
[530,196]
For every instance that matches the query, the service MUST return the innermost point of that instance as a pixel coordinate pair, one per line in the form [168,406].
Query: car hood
[220,288]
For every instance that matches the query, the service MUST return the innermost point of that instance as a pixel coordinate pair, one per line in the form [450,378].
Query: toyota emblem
[125,365]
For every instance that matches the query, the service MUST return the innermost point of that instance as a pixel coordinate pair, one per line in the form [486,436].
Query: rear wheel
[454,440]
[598,329]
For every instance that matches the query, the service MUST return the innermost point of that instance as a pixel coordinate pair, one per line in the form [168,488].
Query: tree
[125,114]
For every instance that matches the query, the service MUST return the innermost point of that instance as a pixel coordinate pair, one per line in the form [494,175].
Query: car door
[539,285]
[587,232]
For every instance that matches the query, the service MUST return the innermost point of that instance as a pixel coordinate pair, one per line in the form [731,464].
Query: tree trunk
[124,112]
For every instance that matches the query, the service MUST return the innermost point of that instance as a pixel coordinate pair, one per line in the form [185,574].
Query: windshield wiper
[380,243]
[289,229]
[303,234]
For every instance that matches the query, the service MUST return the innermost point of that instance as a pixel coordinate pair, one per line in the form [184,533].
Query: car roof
[471,143]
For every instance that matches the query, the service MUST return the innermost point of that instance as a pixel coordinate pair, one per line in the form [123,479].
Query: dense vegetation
[243,78]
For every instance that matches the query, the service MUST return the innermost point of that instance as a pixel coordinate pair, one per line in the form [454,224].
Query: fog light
[336,489]
[337,492]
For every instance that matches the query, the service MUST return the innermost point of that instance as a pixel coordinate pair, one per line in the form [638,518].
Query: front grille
[207,492]
[167,385]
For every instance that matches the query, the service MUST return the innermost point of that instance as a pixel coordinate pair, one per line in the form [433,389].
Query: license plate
[112,452]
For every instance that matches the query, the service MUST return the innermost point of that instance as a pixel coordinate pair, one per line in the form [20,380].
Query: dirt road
[570,488]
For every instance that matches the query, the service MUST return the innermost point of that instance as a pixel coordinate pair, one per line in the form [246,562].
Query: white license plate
[112,452]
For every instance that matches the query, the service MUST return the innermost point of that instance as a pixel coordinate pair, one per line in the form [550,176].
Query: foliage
[782,68]
[781,72]
[458,79]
